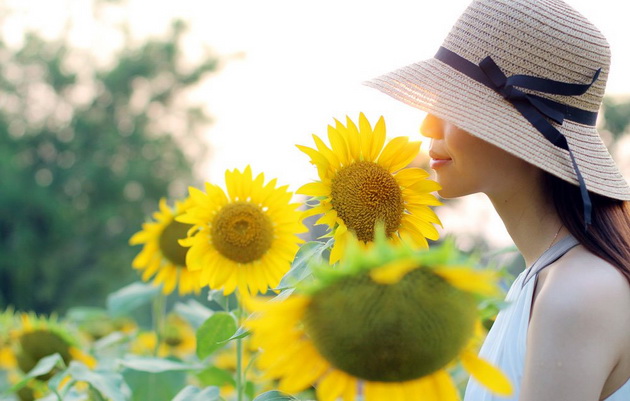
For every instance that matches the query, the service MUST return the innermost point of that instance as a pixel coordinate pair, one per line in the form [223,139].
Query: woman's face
[465,164]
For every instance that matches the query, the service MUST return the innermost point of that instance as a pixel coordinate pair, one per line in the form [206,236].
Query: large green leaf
[156,365]
[214,376]
[214,332]
[309,253]
[146,386]
[127,299]
[274,396]
[44,366]
[192,393]
[110,384]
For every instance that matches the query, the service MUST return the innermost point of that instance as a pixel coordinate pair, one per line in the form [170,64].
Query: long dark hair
[609,234]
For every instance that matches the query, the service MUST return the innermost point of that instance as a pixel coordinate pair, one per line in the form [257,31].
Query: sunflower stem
[240,385]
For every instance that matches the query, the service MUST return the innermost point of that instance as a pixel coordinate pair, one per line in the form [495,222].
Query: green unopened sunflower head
[389,316]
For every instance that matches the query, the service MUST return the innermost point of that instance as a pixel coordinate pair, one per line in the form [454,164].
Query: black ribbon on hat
[536,109]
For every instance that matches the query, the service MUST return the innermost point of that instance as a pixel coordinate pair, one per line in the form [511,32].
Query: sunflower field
[239,297]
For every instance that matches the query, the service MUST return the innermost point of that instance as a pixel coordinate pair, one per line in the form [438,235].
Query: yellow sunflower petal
[317,159]
[329,218]
[376,391]
[424,186]
[378,137]
[338,145]
[413,238]
[339,247]
[353,140]
[468,279]
[408,176]
[440,385]
[424,212]
[314,189]
[329,154]
[392,151]
[425,228]
[486,374]
[331,386]
[392,272]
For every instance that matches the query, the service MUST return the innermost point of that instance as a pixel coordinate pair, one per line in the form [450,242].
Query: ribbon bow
[536,109]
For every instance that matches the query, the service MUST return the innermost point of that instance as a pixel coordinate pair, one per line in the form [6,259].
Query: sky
[292,66]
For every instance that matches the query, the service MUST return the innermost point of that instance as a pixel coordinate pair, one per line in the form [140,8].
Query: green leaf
[156,365]
[193,312]
[214,376]
[110,384]
[125,300]
[240,333]
[44,366]
[192,393]
[148,386]
[310,252]
[214,332]
[274,396]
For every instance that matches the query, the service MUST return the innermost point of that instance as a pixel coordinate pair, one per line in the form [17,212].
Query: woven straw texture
[544,38]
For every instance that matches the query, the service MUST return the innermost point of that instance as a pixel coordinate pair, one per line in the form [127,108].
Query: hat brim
[439,89]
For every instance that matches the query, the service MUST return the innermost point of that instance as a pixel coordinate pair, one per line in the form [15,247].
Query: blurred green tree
[85,154]
[616,116]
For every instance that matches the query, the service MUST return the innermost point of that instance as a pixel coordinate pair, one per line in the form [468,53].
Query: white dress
[504,346]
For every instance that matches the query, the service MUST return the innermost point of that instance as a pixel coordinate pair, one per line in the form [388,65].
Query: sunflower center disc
[365,193]
[242,232]
[390,333]
[169,245]
[38,344]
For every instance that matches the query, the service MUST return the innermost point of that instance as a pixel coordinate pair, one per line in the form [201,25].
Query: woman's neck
[530,219]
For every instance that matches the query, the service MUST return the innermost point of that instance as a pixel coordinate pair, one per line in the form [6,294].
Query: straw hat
[495,68]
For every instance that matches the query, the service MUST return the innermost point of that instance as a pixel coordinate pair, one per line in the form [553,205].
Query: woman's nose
[431,127]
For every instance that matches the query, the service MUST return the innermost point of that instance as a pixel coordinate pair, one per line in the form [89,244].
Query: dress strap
[551,255]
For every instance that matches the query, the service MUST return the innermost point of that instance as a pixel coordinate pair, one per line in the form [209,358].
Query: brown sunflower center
[37,344]
[169,242]
[390,333]
[242,232]
[365,193]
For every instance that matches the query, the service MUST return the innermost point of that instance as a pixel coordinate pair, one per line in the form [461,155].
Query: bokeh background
[107,106]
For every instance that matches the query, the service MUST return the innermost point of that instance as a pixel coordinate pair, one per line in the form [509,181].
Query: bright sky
[301,63]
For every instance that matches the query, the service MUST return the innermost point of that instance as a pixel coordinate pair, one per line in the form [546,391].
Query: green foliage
[85,155]
[127,299]
[312,252]
[192,393]
[616,116]
[44,366]
[214,333]
[274,396]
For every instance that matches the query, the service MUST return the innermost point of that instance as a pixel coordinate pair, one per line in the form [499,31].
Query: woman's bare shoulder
[581,281]
[585,291]
[584,301]
[584,276]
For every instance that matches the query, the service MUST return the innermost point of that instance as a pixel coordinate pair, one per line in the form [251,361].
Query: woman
[512,98]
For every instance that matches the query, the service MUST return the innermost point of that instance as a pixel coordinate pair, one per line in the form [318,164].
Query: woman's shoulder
[581,278]
[583,289]
[584,301]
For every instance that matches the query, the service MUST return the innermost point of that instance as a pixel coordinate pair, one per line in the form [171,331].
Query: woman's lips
[437,163]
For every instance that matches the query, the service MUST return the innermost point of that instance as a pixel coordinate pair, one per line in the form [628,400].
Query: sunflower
[162,258]
[388,323]
[364,181]
[7,356]
[245,238]
[177,340]
[37,337]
